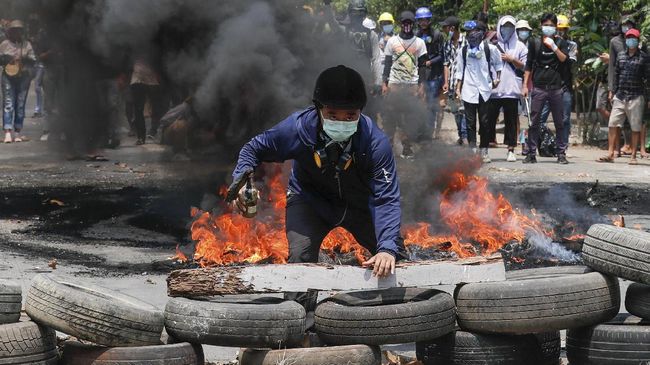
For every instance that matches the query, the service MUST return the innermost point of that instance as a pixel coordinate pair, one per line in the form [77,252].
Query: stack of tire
[517,321]
[21,340]
[272,329]
[624,253]
[122,329]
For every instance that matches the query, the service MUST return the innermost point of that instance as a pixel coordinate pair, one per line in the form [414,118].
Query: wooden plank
[302,277]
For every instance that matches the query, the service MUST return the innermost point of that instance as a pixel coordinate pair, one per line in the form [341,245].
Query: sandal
[605,159]
[633,162]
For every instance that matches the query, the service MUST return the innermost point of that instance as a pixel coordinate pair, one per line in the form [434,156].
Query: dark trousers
[306,228]
[554,99]
[158,108]
[510,112]
[470,118]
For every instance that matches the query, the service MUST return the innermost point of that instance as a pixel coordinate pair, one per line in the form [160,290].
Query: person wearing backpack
[434,77]
[544,62]
[513,54]
[477,74]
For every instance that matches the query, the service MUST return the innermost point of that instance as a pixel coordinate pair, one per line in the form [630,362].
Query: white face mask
[339,131]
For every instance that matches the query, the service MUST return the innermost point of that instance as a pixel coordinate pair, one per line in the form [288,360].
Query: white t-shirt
[405,53]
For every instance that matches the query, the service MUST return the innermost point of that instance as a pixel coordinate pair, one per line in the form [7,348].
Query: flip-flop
[633,162]
[605,159]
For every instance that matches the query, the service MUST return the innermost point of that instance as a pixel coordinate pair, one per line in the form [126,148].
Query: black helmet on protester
[340,87]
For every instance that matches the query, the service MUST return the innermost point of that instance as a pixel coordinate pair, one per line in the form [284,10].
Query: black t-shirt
[435,43]
[547,69]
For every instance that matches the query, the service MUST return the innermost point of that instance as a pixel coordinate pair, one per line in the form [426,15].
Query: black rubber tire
[460,348]
[623,341]
[93,313]
[75,353]
[26,342]
[537,305]
[386,316]
[547,272]
[637,300]
[10,302]
[257,323]
[618,251]
[336,355]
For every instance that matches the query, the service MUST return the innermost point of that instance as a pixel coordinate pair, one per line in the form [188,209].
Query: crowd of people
[479,74]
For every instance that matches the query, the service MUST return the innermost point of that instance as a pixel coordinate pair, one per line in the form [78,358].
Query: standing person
[523,33]
[434,77]
[616,46]
[508,93]
[630,79]
[386,28]
[545,59]
[455,42]
[17,56]
[405,60]
[478,72]
[567,80]
[146,83]
[351,181]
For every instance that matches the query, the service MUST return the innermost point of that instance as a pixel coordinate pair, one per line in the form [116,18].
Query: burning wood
[303,277]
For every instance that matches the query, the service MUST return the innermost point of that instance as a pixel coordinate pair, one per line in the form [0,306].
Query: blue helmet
[423,13]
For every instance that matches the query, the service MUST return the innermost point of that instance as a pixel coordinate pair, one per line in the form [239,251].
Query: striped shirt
[451,52]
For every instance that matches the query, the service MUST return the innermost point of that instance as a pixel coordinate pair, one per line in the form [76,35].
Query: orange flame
[179,256]
[470,212]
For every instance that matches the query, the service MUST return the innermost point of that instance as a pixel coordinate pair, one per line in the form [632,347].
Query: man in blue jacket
[343,173]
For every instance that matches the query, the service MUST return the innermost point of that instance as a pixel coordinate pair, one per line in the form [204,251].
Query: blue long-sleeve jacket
[370,183]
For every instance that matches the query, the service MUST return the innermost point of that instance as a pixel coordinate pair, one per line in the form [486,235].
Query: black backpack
[546,144]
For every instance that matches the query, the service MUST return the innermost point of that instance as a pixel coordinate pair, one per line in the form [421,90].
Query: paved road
[145,180]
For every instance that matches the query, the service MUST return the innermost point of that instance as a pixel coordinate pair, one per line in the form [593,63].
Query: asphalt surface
[116,223]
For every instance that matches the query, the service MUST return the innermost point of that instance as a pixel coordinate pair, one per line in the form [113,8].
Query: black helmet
[357,6]
[340,87]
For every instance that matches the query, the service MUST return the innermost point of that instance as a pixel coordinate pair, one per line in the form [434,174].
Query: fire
[470,213]
[474,214]
[179,256]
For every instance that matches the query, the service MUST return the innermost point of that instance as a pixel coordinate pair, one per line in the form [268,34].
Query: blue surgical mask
[507,32]
[339,131]
[524,34]
[548,30]
[624,29]
[451,34]
[632,42]
[388,28]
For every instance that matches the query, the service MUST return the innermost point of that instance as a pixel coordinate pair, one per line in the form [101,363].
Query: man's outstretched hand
[237,184]
[383,264]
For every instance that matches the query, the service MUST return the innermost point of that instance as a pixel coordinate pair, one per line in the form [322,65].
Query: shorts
[633,109]
[602,97]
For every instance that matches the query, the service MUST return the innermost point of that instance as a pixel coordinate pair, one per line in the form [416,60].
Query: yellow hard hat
[563,21]
[386,17]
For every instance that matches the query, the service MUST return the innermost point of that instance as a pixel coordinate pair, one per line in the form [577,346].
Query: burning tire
[75,353]
[536,305]
[265,322]
[93,313]
[637,300]
[10,302]
[618,251]
[26,342]
[625,340]
[470,348]
[377,317]
[354,354]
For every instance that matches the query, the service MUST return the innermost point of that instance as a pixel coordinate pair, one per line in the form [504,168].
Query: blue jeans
[432,89]
[567,100]
[38,87]
[14,93]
